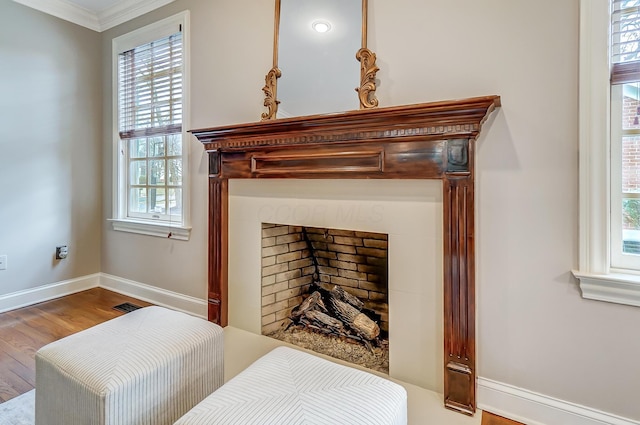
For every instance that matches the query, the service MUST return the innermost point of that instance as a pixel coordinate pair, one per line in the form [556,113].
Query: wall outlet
[3,262]
[61,252]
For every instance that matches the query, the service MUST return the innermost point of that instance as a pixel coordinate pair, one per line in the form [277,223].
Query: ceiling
[98,15]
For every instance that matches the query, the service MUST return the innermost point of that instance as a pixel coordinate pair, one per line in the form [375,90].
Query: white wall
[50,168]
[534,329]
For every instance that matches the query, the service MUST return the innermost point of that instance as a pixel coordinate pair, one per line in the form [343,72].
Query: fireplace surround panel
[408,211]
[424,141]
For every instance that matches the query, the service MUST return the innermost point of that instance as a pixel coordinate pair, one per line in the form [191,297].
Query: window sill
[613,287]
[160,230]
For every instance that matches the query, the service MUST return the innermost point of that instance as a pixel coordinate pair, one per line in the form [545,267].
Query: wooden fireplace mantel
[423,141]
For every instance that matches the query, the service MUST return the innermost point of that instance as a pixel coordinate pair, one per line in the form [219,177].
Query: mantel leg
[218,242]
[459,295]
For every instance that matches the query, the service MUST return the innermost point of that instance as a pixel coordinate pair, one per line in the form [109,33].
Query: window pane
[631,106]
[174,145]
[157,173]
[631,226]
[175,202]
[138,173]
[138,148]
[156,146]
[175,172]
[138,200]
[157,200]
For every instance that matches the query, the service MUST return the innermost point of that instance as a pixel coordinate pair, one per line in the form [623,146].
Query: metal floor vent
[126,307]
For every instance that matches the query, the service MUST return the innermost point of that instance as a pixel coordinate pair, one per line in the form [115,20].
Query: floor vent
[127,307]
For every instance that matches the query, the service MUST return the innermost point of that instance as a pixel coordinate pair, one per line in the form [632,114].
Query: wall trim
[122,11]
[614,288]
[48,292]
[162,297]
[126,10]
[66,11]
[152,294]
[537,409]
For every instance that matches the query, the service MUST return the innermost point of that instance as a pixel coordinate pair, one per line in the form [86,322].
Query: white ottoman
[288,386]
[148,367]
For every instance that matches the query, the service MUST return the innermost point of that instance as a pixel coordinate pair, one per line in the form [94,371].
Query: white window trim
[123,43]
[597,280]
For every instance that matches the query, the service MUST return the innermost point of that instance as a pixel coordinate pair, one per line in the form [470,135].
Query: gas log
[336,312]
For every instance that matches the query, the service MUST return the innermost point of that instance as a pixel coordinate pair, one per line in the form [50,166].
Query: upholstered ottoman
[148,367]
[288,386]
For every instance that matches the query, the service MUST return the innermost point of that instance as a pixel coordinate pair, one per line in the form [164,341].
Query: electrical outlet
[3,262]
[61,252]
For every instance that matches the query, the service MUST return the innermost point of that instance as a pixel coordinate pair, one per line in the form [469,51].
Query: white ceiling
[98,15]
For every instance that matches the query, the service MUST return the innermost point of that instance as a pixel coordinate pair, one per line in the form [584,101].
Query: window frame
[598,281]
[180,230]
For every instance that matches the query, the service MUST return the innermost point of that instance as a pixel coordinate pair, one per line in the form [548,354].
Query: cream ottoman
[148,367]
[288,386]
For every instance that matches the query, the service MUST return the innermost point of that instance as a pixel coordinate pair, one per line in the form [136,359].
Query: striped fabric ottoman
[149,367]
[287,387]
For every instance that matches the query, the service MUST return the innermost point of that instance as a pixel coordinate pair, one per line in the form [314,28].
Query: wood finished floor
[25,330]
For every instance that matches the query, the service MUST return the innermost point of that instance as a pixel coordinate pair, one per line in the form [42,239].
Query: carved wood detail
[368,70]
[425,141]
[270,93]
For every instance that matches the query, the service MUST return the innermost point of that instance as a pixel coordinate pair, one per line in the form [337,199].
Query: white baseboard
[157,296]
[533,408]
[48,292]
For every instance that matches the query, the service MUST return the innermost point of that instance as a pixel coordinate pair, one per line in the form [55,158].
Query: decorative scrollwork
[269,89]
[368,69]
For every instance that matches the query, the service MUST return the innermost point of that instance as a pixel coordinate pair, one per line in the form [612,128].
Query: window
[625,135]
[151,156]
[609,75]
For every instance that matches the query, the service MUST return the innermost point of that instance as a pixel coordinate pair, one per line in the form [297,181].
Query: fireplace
[432,141]
[326,290]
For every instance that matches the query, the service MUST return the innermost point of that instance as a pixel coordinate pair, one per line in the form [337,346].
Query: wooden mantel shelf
[460,117]
[422,141]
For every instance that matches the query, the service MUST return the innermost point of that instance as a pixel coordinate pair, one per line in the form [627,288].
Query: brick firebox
[293,257]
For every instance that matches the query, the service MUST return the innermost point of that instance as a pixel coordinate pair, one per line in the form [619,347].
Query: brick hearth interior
[357,261]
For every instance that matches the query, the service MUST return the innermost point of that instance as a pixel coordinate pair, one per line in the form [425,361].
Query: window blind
[150,81]
[625,41]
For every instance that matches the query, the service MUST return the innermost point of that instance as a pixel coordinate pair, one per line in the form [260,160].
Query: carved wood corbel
[270,94]
[368,70]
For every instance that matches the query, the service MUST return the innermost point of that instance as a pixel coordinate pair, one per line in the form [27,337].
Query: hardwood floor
[25,330]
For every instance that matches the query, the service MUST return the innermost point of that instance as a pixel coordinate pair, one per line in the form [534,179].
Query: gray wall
[50,167]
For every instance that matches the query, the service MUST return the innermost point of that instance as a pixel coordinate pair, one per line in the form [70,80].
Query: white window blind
[625,41]
[150,81]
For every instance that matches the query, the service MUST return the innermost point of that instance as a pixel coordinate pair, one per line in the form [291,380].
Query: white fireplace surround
[409,211]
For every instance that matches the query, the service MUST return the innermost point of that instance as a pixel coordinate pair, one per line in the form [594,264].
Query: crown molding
[65,10]
[126,10]
[121,12]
